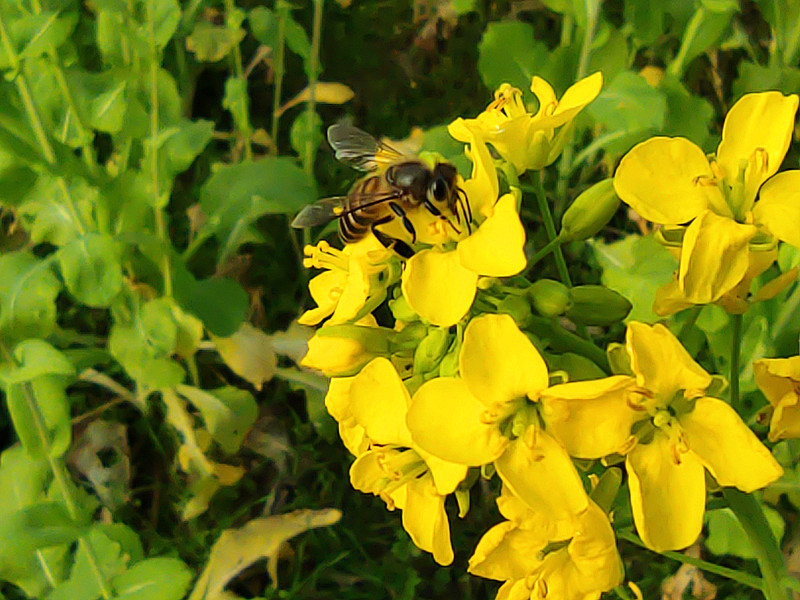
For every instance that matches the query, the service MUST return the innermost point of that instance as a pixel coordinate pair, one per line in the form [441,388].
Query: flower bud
[341,350]
[597,305]
[590,212]
[517,307]
[550,298]
[431,349]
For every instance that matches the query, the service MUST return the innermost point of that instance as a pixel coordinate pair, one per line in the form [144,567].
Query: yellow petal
[670,299]
[726,446]
[354,439]
[446,475]
[354,293]
[425,519]
[777,376]
[499,363]
[661,363]
[496,248]
[667,180]
[591,419]
[438,288]
[536,468]
[506,552]
[714,257]
[482,186]
[668,494]
[325,289]
[539,524]
[778,207]
[761,122]
[366,473]
[446,420]
[379,403]
[337,400]
[335,356]
[578,95]
[545,94]
[593,552]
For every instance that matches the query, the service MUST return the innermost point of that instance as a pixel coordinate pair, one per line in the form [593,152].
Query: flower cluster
[466,381]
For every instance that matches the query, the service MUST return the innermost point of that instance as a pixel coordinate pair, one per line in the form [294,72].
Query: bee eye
[438,189]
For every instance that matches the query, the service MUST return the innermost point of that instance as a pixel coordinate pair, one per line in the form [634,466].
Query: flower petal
[446,420]
[777,376]
[578,95]
[591,419]
[662,365]
[438,288]
[778,207]
[593,552]
[665,180]
[325,289]
[668,498]
[482,187]
[726,446]
[499,363]
[763,121]
[506,552]
[536,468]
[714,257]
[425,519]
[446,475]
[379,403]
[336,356]
[496,247]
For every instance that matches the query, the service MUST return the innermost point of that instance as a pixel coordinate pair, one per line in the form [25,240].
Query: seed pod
[597,305]
[590,212]
[549,298]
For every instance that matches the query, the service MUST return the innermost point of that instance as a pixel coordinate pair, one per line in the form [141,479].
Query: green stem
[768,554]
[313,75]
[550,228]
[278,69]
[694,314]
[736,348]
[733,574]
[549,248]
[245,129]
[562,340]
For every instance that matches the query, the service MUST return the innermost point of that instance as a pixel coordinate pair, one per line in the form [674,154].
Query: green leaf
[36,358]
[509,53]
[299,132]
[635,267]
[107,111]
[726,535]
[27,296]
[758,78]
[297,40]
[263,25]
[165,16]
[92,269]
[646,20]
[154,579]
[228,413]
[221,304]
[211,43]
[629,103]
[705,29]
[235,101]
[49,396]
[688,116]
[36,34]
[44,524]
[184,145]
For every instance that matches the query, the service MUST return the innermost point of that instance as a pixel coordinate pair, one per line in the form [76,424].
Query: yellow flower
[670,431]
[539,558]
[671,181]
[338,350]
[779,379]
[352,277]
[530,141]
[371,410]
[488,415]
[440,285]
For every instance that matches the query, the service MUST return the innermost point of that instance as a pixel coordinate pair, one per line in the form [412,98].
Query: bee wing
[321,212]
[359,149]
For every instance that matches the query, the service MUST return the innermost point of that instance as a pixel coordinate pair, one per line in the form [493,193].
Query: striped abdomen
[364,208]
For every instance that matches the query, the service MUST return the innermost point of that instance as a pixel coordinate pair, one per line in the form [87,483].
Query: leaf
[92,269]
[228,413]
[191,456]
[46,395]
[28,290]
[220,303]
[185,145]
[263,25]
[705,29]
[154,579]
[235,101]
[165,16]
[107,110]
[211,43]
[237,549]
[36,34]
[509,53]
[688,116]
[635,267]
[300,135]
[758,78]
[325,92]
[43,524]
[646,20]
[727,536]
[236,195]
[249,353]
[629,103]
[36,358]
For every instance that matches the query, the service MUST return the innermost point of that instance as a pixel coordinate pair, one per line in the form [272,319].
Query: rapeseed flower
[489,415]
[779,380]
[711,205]
[371,411]
[669,429]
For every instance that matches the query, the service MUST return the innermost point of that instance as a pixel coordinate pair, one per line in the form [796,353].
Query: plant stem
[278,69]
[562,340]
[768,554]
[733,574]
[313,75]
[548,248]
[694,314]
[245,129]
[736,348]
[550,228]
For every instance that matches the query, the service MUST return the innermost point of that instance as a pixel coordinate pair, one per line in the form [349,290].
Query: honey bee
[396,185]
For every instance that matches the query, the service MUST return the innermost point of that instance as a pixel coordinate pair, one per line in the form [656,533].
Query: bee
[396,185]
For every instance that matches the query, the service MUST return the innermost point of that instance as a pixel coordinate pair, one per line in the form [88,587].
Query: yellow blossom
[530,141]
[371,411]
[779,379]
[338,350]
[440,284]
[671,181]
[669,430]
[539,558]
[489,415]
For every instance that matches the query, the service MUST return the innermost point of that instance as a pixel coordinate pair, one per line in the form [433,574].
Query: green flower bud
[597,305]
[549,298]
[579,368]
[517,307]
[590,212]
[431,350]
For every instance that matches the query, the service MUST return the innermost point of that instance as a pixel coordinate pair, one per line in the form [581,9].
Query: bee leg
[391,243]
[398,210]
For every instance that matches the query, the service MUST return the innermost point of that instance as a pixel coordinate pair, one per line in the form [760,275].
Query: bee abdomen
[358,215]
